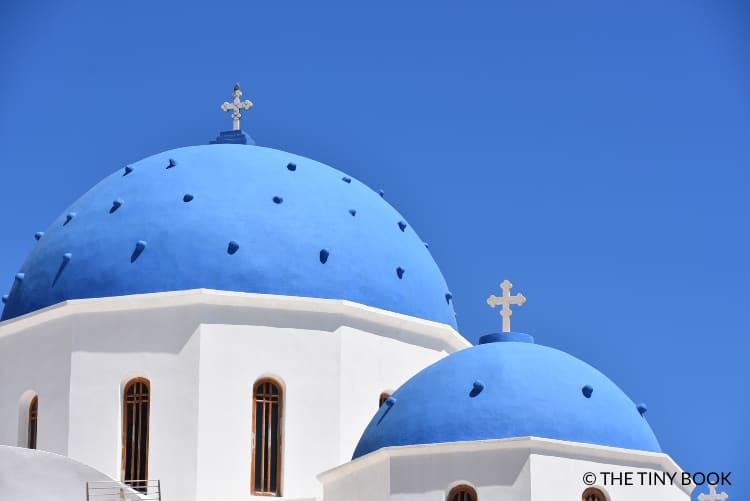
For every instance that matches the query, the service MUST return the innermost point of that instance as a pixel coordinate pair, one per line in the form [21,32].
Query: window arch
[268,399]
[593,494]
[32,422]
[136,409]
[383,397]
[462,493]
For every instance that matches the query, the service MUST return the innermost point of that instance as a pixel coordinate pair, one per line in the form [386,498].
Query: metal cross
[506,300]
[235,106]
[712,496]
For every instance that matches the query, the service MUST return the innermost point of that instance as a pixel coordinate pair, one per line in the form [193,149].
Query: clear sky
[594,153]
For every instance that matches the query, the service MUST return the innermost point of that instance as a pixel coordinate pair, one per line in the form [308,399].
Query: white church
[231,322]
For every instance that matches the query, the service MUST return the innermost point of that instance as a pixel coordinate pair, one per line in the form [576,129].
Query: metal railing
[132,490]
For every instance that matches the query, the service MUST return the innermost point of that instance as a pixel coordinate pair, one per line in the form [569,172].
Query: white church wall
[36,363]
[517,469]
[327,378]
[372,364]
[202,351]
[98,378]
[563,479]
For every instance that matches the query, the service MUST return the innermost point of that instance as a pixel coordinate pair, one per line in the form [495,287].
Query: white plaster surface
[202,351]
[522,469]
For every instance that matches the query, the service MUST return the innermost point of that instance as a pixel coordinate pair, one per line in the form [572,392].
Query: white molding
[534,445]
[344,312]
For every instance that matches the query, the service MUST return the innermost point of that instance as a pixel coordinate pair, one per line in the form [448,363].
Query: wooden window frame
[279,440]
[593,491]
[141,486]
[462,489]
[32,422]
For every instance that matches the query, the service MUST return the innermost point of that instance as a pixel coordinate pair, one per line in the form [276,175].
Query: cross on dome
[506,300]
[712,495]
[236,105]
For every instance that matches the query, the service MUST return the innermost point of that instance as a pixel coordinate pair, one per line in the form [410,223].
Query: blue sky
[594,153]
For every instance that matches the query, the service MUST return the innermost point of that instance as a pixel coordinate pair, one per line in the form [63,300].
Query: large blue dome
[504,390]
[238,218]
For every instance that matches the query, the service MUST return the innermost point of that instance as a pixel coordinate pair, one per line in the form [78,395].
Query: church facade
[233,322]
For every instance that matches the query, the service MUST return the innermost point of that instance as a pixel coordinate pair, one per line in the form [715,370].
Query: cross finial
[236,105]
[712,495]
[506,300]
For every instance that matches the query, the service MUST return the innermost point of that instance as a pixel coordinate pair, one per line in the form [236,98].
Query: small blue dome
[504,390]
[232,217]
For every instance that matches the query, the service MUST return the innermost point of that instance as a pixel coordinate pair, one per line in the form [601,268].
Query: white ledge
[344,312]
[534,445]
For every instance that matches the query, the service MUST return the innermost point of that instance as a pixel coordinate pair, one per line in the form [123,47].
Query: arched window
[267,414]
[592,494]
[462,493]
[135,424]
[383,397]
[33,415]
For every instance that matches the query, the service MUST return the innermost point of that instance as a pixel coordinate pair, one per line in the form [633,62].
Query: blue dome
[237,218]
[508,389]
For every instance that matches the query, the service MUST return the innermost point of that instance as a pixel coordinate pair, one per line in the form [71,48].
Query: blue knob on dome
[232,247]
[400,272]
[67,257]
[476,388]
[116,204]
[642,408]
[390,401]
[587,390]
[19,277]
[128,170]
[69,217]
[172,163]
[140,246]
[402,225]
[188,197]
[5,298]
[38,235]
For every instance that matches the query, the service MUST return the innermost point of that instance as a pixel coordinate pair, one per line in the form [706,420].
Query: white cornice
[533,445]
[345,313]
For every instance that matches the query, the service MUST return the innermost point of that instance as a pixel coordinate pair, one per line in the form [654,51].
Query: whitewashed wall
[523,469]
[202,351]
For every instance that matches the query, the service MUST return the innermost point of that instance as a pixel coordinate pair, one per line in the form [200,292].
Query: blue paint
[476,388]
[140,246]
[528,390]
[233,137]
[587,390]
[65,260]
[116,204]
[232,247]
[38,235]
[187,249]
[504,337]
